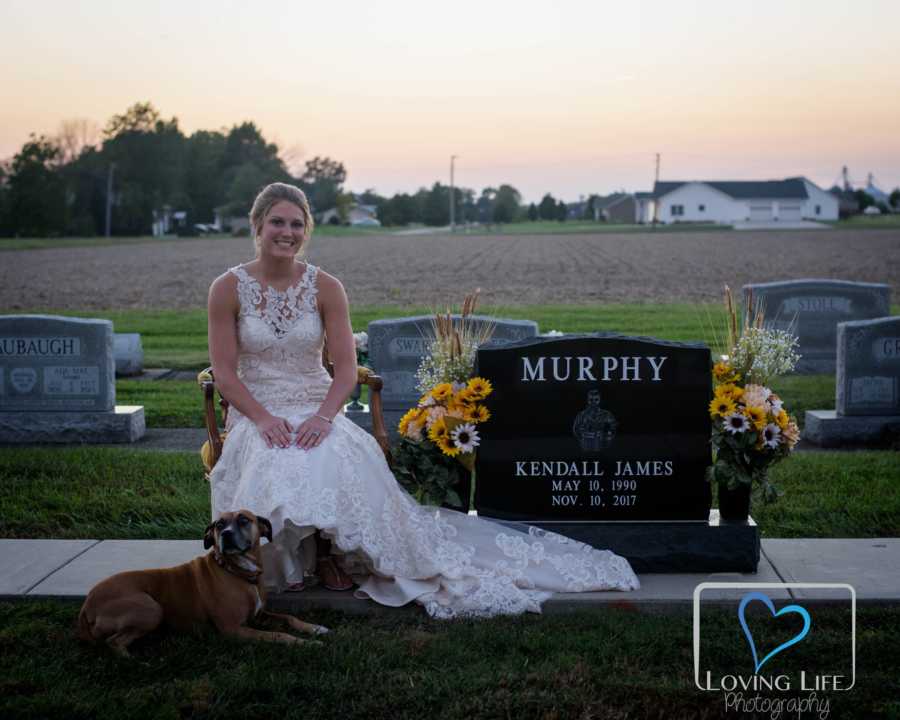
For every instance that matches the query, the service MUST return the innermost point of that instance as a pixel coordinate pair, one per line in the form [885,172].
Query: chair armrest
[208,385]
[376,410]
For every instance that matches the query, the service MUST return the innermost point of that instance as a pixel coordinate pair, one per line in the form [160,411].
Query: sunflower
[465,437]
[782,419]
[438,431]
[771,436]
[410,416]
[723,372]
[736,423]
[466,397]
[447,447]
[726,390]
[756,415]
[479,414]
[480,387]
[721,406]
[442,392]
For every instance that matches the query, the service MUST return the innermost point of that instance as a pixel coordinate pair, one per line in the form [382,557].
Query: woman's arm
[223,308]
[333,305]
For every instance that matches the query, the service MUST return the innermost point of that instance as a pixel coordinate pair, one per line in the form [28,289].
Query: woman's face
[282,232]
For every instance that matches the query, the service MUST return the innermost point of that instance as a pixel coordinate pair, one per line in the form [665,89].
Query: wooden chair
[212,448]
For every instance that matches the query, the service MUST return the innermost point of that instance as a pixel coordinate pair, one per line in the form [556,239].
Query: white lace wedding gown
[396,550]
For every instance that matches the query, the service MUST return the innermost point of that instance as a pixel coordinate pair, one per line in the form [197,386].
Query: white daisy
[777,404]
[771,435]
[465,437]
[736,423]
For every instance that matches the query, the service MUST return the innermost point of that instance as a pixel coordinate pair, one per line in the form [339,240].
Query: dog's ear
[209,539]
[265,527]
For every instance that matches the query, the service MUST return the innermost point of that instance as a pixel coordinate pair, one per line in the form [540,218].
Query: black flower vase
[734,505]
[463,487]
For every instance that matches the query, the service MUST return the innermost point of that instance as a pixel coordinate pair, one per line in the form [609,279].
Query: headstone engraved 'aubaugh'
[57,382]
[867,388]
[595,428]
[397,346]
[812,310]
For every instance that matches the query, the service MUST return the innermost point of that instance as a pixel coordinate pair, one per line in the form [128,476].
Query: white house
[729,202]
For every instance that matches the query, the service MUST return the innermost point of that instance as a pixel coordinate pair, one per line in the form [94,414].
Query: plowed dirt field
[432,270]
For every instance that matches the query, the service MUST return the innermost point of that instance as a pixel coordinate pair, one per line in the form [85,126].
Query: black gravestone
[595,428]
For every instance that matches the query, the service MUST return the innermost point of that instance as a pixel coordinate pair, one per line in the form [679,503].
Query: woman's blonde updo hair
[276,193]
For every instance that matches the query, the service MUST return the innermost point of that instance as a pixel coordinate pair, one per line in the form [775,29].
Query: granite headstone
[128,353]
[812,310]
[595,428]
[867,388]
[57,382]
[868,367]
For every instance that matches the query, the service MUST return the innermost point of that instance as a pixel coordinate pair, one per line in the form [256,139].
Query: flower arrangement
[752,429]
[439,437]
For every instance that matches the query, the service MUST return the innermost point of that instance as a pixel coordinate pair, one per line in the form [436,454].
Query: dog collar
[251,576]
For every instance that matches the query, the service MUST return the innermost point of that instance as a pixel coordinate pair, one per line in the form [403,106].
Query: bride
[291,455]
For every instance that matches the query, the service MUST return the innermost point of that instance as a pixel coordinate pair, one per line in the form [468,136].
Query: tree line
[143,163]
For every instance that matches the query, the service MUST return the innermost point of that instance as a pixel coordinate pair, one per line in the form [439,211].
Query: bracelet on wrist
[322,417]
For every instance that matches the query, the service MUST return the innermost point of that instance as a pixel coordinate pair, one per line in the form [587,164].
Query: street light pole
[452,195]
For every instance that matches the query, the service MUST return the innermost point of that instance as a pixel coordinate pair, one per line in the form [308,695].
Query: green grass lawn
[867,222]
[177,339]
[126,493]
[613,663]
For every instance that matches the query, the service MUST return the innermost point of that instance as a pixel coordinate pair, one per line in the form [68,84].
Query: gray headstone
[128,353]
[812,309]
[56,364]
[868,367]
[397,346]
[58,382]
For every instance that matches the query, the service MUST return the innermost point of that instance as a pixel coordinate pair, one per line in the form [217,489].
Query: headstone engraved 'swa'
[397,346]
[595,427]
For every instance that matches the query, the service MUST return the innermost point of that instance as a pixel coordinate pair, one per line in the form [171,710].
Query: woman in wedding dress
[291,455]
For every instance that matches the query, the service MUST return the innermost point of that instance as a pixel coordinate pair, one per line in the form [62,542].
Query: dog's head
[237,532]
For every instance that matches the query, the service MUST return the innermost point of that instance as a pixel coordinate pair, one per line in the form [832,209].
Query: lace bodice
[280,338]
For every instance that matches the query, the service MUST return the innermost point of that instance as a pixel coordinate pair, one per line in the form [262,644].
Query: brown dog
[220,588]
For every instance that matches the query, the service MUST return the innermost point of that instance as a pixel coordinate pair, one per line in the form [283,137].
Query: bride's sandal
[296,587]
[332,576]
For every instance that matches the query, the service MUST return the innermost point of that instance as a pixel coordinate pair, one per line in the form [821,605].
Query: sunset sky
[567,97]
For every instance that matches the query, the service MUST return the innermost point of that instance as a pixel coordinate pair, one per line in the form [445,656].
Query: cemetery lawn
[177,338]
[106,493]
[613,663]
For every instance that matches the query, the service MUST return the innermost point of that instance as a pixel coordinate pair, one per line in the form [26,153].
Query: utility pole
[655,204]
[109,188]
[452,195]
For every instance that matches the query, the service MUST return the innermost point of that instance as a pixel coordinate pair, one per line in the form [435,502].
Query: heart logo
[785,610]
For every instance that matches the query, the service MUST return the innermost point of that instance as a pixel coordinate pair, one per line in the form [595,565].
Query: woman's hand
[275,431]
[312,432]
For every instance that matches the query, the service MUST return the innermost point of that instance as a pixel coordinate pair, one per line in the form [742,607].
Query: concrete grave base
[828,429]
[668,547]
[124,424]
